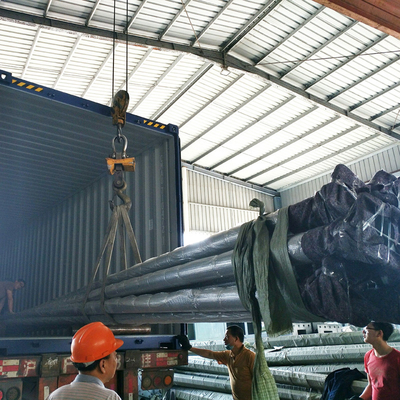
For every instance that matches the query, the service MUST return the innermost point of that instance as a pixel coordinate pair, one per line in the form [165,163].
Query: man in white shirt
[93,352]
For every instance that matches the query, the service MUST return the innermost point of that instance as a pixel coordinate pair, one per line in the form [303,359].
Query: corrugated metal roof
[308,87]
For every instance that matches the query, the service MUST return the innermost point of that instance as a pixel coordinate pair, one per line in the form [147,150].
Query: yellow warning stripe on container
[27,85]
[155,124]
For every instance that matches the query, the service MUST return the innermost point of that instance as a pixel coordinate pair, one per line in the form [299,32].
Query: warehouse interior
[263,99]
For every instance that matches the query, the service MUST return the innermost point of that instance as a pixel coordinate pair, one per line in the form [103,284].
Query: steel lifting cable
[117,163]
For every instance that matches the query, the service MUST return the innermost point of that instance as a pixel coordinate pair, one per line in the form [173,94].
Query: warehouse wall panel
[212,205]
[388,160]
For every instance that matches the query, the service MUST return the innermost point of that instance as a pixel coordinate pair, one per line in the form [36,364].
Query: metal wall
[388,160]
[212,205]
[57,252]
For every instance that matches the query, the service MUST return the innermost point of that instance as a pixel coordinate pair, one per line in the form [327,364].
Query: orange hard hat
[93,342]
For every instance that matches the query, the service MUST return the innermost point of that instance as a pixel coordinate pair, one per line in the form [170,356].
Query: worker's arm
[10,301]
[202,352]
[185,345]
[367,393]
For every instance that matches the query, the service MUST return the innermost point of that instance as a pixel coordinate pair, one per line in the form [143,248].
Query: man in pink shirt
[382,363]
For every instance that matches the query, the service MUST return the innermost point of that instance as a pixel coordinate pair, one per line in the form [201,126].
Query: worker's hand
[184,342]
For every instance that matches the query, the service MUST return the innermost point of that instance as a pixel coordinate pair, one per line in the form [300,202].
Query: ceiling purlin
[47,8]
[94,8]
[67,61]
[211,55]
[100,70]
[233,62]
[231,42]
[182,90]
[167,71]
[302,136]
[294,31]
[269,112]
[133,72]
[135,15]
[221,92]
[374,96]
[327,157]
[273,132]
[347,60]
[384,112]
[221,120]
[207,27]
[32,49]
[320,48]
[227,178]
[363,78]
[177,15]
[302,153]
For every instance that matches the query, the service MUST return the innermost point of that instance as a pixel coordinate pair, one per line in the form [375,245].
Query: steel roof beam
[345,132]
[224,118]
[293,32]
[382,113]
[94,8]
[329,41]
[269,112]
[260,15]
[374,96]
[224,177]
[47,8]
[99,70]
[220,93]
[168,70]
[133,72]
[334,154]
[276,130]
[380,14]
[362,79]
[32,49]
[182,90]
[302,136]
[207,27]
[348,59]
[135,15]
[67,61]
[177,15]
[218,145]
[212,55]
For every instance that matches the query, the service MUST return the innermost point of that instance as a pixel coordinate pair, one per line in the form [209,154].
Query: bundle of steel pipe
[162,289]
[300,372]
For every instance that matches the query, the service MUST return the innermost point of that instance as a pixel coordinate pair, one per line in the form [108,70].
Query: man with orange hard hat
[93,352]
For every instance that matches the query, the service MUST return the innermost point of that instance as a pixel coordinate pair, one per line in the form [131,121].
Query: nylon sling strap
[263,383]
[267,288]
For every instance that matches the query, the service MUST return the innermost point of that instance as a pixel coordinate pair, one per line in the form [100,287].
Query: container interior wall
[57,252]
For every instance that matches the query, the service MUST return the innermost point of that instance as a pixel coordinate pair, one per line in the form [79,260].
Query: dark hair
[385,327]
[21,280]
[90,367]
[236,331]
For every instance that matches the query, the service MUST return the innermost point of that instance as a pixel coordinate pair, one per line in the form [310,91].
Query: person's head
[377,331]
[93,351]
[234,337]
[19,284]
